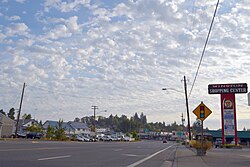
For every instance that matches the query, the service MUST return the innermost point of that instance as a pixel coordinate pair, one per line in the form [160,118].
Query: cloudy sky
[118,55]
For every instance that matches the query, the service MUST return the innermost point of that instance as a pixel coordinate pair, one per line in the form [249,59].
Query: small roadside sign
[202,111]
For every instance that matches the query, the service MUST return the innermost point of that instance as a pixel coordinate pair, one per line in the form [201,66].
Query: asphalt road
[28,153]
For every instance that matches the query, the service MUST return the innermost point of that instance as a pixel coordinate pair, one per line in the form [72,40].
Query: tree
[11,114]
[77,119]
[26,116]
[143,119]
[1,111]
[34,128]
[60,131]
[50,132]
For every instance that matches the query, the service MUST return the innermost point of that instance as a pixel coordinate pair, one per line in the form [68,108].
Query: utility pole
[19,111]
[185,87]
[94,108]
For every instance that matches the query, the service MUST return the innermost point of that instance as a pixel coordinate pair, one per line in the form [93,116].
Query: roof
[54,124]
[25,121]
[241,134]
[78,125]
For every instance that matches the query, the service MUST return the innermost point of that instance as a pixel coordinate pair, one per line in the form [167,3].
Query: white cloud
[17,29]
[21,1]
[72,24]
[60,31]
[65,6]
[120,57]
[13,18]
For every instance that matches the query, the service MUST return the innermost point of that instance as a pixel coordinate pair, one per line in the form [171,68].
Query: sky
[118,55]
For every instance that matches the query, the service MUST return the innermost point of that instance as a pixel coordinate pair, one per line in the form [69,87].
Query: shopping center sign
[227,88]
[228,106]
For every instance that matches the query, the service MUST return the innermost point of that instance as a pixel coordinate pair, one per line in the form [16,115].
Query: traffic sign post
[202,112]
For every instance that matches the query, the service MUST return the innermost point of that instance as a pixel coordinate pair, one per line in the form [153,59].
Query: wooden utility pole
[185,87]
[94,108]
[19,111]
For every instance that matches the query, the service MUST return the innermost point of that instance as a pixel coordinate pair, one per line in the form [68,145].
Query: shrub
[206,144]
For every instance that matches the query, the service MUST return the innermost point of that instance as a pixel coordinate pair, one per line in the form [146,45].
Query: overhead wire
[204,48]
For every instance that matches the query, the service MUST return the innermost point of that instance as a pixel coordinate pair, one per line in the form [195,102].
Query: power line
[203,52]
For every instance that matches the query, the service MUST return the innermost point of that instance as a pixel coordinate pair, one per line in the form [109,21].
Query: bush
[206,144]
[135,136]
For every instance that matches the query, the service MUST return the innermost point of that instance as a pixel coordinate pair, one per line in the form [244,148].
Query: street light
[185,87]
[173,90]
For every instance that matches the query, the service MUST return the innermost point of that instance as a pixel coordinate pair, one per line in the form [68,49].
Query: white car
[82,138]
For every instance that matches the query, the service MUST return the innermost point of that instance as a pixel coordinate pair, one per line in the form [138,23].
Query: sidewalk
[185,157]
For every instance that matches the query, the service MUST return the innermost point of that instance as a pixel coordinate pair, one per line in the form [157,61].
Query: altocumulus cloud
[118,55]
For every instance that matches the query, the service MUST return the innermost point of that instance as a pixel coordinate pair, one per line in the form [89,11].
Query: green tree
[11,114]
[50,132]
[26,116]
[135,135]
[34,128]
[60,131]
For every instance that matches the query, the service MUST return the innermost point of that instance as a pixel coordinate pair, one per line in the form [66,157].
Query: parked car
[105,138]
[82,138]
[34,135]
[19,135]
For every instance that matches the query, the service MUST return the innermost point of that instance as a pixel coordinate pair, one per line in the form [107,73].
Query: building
[54,124]
[243,136]
[7,126]
[25,123]
[79,127]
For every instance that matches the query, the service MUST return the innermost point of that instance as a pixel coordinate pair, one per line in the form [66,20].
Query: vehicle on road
[218,143]
[164,140]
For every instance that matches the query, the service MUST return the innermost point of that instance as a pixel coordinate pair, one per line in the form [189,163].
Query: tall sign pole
[19,111]
[228,107]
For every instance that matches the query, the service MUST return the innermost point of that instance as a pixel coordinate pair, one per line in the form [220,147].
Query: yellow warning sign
[202,111]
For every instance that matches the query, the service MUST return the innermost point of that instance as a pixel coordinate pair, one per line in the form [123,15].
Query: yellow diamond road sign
[202,111]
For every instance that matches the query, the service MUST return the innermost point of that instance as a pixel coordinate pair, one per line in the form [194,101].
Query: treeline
[126,125]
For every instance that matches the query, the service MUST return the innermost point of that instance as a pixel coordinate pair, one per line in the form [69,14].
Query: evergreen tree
[11,114]
[60,131]
[50,132]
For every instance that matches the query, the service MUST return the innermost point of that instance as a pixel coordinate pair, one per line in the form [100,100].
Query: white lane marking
[147,158]
[118,149]
[248,156]
[130,155]
[50,158]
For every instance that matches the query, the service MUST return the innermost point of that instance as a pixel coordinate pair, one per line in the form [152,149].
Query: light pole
[185,86]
